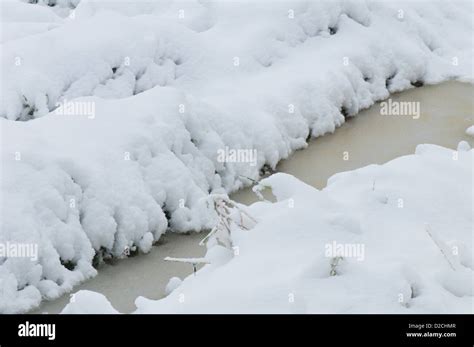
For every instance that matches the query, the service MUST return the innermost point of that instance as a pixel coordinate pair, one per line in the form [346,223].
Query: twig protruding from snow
[223,229]
[334,263]
[438,244]
[193,261]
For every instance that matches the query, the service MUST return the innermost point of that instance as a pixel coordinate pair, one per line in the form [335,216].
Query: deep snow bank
[148,93]
[404,230]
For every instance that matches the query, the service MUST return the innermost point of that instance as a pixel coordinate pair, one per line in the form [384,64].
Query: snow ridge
[171,83]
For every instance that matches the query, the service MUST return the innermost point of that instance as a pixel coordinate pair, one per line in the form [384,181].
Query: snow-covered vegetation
[401,233]
[112,114]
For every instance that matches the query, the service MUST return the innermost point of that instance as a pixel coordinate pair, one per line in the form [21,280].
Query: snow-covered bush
[124,106]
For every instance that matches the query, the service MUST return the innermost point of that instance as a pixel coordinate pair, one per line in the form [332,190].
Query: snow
[170,84]
[463,146]
[20,19]
[470,131]
[188,260]
[88,302]
[409,257]
[173,283]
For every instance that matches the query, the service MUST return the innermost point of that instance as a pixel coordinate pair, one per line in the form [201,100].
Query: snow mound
[88,302]
[400,254]
[470,131]
[109,137]
[463,146]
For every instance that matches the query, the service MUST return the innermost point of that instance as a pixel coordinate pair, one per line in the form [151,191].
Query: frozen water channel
[445,111]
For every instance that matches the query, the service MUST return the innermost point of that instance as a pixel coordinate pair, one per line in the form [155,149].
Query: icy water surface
[446,110]
[142,275]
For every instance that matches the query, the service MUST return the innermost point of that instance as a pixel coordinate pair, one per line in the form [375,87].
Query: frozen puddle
[446,111]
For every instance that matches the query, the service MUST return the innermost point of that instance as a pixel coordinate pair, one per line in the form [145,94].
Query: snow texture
[470,131]
[112,112]
[408,224]
[88,302]
[173,283]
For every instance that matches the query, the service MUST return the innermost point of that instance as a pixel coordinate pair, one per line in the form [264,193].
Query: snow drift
[402,230]
[165,86]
